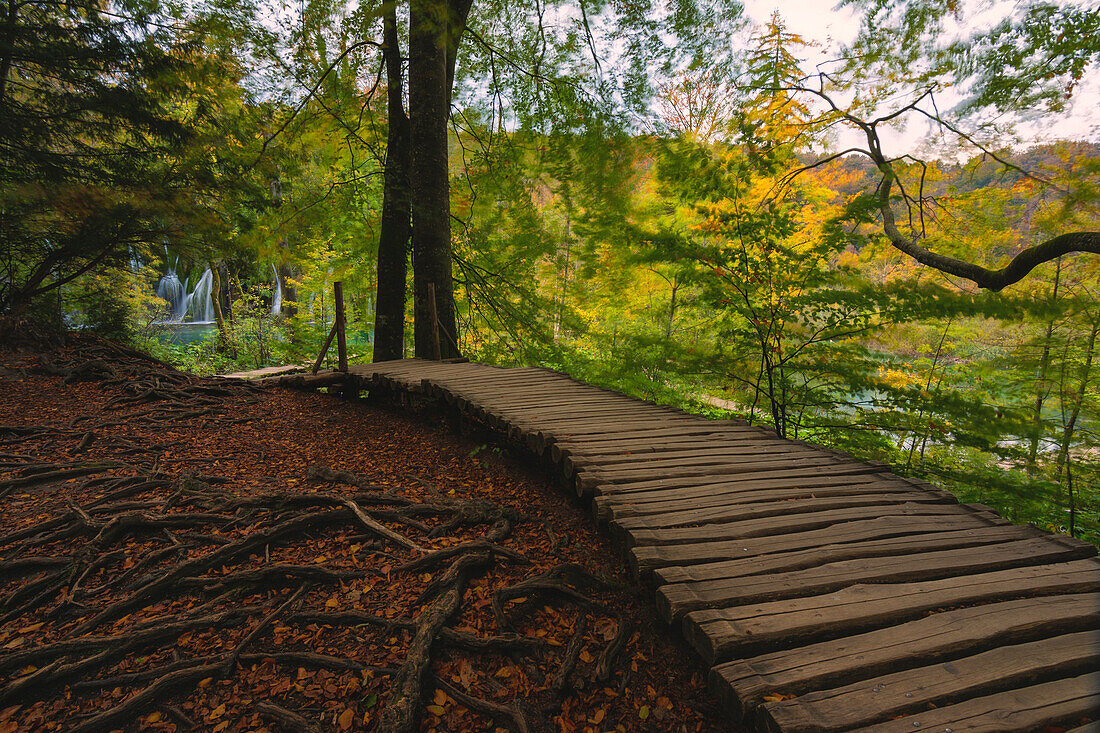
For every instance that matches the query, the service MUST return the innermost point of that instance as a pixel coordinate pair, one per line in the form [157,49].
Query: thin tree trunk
[1041,389]
[216,301]
[1070,425]
[396,228]
[431,207]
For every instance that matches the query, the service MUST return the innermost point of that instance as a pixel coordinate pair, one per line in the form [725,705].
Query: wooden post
[437,352]
[339,325]
[324,349]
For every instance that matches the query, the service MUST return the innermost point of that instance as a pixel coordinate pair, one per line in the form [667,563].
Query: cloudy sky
[816,21]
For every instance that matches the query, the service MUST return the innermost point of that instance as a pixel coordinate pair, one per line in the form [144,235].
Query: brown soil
[202,466]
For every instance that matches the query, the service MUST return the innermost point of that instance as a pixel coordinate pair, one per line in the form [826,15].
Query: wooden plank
[599,431]
[719,634]
[619,507]
[1031,708]
[714,457]
[651,484]
[674,600]
[567,445]
[745,511]
[940,637]
[553,415]
[780,464]
[913,691]
[737,489]
[782,562]
[780,524]
[644,448]
[646,559]
[673,452]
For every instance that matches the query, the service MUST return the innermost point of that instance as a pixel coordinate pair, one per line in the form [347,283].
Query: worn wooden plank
[619,506]
[783,562]
[682,482]
[646,559]
[753,510]
[719,634]
[1030,708]
[673,452]
[643,449]
[597,431]
[879,699]
[735,489]
[940,637]
[741,455]
[779,524]
[589,480]
[676,599]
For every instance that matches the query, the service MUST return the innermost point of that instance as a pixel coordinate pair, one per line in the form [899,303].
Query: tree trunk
[393,241]
[1042,389]
[216,301]
[430,29]
[1070,425]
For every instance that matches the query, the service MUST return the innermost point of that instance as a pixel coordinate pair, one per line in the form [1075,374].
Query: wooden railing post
[341,321]
[337,331]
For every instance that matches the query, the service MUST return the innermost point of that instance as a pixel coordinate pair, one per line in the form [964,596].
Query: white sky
[818,22]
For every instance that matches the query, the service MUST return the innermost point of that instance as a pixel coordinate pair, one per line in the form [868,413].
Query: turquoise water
[185,333]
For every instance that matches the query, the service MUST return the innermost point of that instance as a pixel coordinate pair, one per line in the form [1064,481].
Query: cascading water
[277,299]
[201,302]
[181,302]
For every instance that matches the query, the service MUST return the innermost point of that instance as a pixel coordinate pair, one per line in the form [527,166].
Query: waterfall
[180,302]
[201,303]
[277,299]
[172,290]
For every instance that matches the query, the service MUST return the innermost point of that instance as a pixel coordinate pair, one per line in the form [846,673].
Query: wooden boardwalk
[827,594]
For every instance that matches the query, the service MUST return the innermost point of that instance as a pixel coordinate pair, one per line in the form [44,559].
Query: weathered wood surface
[829,593]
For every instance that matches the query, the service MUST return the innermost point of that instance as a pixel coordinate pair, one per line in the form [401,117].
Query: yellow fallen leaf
[332,603]
[205,683]
[598,717]
[643,712]
[218,711]
[440,697]
[586,657]
[153,717]
[346,719]
[435,709]
[32,627]
[320,558]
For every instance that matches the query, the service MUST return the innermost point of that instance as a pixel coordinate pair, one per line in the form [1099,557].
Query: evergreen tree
[87,128]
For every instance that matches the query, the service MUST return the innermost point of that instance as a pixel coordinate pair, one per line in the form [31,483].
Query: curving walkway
[827,594]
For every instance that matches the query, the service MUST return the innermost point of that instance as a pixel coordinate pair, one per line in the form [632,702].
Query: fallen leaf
[435,709]
[218,711]
[346,718]
[643,712]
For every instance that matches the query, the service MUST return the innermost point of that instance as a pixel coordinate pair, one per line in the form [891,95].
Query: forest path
[826,593]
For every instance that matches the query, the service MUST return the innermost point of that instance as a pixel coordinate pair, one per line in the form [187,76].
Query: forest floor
[180,554]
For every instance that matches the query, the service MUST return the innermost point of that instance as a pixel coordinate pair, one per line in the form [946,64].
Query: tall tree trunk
[393,241]
[429,109]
